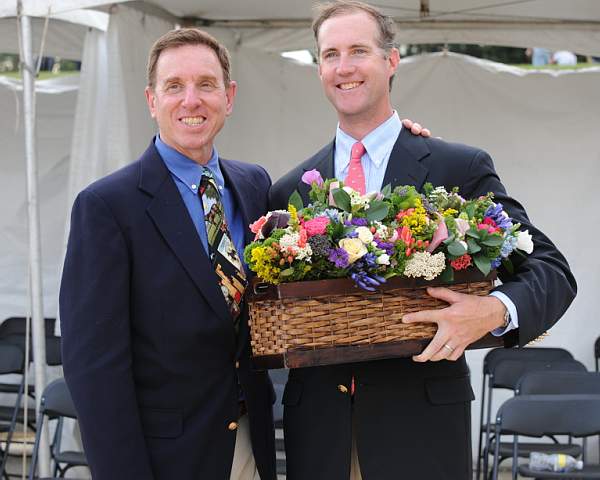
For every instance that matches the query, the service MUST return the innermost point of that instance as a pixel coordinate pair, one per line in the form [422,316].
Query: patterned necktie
[356,174]
[223,254]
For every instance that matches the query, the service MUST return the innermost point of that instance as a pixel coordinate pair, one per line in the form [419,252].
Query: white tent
[540,127]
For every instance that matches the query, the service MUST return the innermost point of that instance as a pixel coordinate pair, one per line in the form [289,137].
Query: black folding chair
[488,384]
[56,403]
[597,351]
[11,361]
[548,415]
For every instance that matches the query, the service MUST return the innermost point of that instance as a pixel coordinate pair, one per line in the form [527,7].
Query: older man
[155,335]
[407,418]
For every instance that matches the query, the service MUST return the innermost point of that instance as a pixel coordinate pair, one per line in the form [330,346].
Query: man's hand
[415,128]
[465,320]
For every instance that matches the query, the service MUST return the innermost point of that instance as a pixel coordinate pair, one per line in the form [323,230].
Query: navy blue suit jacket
[412,419]
[149,347]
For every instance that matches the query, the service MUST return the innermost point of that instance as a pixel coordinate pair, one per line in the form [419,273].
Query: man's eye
[173,87]
[207,86]
[328,55]
[359,51]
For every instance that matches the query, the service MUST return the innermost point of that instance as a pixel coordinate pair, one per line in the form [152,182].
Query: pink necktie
[356,174]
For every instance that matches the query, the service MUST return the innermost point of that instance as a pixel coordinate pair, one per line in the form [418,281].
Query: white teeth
[192,120]
[348,86]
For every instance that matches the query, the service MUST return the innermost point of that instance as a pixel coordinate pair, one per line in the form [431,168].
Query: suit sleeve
[542,286]
[96,347]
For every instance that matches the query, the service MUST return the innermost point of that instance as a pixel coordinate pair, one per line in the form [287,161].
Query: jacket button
[343,388]
[232,426]
[237,364]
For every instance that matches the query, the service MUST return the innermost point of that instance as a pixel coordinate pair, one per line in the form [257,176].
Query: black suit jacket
[149,347]
[412,420]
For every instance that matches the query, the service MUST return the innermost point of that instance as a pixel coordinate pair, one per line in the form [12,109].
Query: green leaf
[287,272]
[506,263]
[449,240]
[456,249]
[447,275]
[473,246]
[473,233]
[296,200]
[482,263]
[387,190]
[470,210]
[493,241]
[342,199]
[377,211]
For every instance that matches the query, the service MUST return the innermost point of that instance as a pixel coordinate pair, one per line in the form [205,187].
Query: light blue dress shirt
[378,145]
[187,175]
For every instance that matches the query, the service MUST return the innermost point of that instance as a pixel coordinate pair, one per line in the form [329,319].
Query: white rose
[383,259]
[462,226]
[524,241]
[354,247]
[365,235]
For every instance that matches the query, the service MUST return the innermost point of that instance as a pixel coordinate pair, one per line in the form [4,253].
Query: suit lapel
[405,166]
[323,162]
[169,214]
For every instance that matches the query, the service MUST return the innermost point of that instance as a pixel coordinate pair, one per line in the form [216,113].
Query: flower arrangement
[373,237]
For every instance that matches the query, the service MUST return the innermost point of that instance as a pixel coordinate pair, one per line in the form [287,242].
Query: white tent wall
[55,107]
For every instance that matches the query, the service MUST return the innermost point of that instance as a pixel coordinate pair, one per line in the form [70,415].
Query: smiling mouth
[349,85]
[192,121]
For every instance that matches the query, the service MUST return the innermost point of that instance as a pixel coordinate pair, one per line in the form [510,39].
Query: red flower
[316,226]
[462,262]
[256,227]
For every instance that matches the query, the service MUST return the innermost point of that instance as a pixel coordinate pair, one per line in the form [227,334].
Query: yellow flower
[263,267]
[450,211]
[354,247]
[417,220]
[293,215]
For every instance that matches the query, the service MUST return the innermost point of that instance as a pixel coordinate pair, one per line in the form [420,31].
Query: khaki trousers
[243,466]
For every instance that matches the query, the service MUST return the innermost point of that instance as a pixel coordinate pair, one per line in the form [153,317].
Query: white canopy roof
[282,24]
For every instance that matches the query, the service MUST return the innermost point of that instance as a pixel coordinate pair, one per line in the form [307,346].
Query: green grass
[42,76]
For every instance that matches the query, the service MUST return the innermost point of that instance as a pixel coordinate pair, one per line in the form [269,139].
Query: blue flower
[339,257]
[495,213]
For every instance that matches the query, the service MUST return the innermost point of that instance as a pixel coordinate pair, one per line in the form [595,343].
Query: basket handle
[261,288]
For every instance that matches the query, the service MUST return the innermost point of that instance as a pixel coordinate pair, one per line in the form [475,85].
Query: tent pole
[38,327]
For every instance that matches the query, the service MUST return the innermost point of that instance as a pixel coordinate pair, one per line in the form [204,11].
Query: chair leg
[515,464]
[36,446]
[13,424]
[486,445]
[479,452]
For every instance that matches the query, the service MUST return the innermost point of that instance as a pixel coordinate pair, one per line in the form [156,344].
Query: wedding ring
[448,347]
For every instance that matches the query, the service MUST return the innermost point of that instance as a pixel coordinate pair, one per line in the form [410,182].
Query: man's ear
[393,60]
[151,100]
[230,93]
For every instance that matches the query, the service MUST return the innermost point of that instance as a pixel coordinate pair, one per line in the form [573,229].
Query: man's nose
[345,65]
[191,97]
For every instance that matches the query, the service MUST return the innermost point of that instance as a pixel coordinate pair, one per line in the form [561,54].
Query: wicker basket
[324,322]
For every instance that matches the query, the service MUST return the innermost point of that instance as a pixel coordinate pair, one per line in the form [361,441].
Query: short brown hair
[187,36]
[385,24]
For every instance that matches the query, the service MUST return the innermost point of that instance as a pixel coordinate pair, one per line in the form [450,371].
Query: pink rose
[312,176]
[256,227]
[316,226]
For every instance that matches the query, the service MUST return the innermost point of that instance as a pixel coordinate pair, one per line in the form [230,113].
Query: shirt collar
[378,142]
[185,169]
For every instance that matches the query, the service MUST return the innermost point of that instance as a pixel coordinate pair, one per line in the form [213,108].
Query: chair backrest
[16,326]
[597,348]
[12,358]
[541,415]
[508,372]
[497,355]
[57,401]
[559,382]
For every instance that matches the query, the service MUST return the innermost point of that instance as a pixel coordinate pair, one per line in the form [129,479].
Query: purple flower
[360,222]
[495,213]
[387,246]
[339,257]
[312,176]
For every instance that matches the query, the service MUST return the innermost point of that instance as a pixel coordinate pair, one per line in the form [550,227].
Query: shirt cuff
[512,311]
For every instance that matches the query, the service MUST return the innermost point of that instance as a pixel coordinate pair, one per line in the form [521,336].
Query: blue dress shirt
[378,147]
[187,175]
